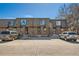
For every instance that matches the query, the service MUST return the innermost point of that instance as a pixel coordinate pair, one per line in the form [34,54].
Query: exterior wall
[58,28]
[3,28]
[5,24]
[34,27]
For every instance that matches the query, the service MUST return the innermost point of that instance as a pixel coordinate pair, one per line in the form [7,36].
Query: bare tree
[71,14]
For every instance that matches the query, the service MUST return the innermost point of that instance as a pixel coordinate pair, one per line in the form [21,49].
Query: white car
[69,36]
[8,35]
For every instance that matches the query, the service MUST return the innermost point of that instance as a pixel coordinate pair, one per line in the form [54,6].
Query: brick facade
[34,26]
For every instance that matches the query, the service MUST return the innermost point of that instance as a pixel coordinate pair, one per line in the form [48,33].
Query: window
[11,23]
[58,23]
[42,22]
[23,22]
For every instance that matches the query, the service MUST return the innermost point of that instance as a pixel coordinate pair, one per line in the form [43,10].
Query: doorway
[26,29]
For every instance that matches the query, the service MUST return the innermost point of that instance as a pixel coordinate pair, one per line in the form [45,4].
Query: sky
[29,10]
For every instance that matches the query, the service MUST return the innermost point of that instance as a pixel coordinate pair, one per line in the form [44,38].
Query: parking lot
[39,47]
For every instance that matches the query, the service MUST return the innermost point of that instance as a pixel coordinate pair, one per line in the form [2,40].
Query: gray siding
[5,22]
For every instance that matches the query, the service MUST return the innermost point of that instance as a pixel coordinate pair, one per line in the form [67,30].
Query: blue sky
[33,10]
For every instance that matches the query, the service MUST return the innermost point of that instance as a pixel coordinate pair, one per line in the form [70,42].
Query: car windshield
[5,32]
[13,33]
[72,33]
[65,33]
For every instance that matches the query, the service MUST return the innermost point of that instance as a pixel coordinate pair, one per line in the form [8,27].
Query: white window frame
[42,22]
[58,23]
[23,22]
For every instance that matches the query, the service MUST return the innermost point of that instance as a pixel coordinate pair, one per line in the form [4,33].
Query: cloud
[28,16]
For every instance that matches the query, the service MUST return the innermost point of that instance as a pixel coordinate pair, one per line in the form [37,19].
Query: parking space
[39,47]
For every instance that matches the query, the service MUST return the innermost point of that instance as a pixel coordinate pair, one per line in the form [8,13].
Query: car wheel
[60,38]
[13,39]
[74,40]
[3,40]
[69,40]
[65,39]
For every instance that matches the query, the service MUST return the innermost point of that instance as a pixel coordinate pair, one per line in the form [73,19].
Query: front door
[39,30]
[26,29]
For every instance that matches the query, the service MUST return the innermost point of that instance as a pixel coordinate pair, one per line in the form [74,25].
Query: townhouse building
[34,26]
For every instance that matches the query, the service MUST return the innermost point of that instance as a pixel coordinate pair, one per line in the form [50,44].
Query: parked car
[8,35]
[69,36]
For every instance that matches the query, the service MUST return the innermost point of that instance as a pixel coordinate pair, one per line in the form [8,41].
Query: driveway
[52,47]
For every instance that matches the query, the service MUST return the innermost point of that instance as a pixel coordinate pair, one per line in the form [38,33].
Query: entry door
[39,30]
[26,30]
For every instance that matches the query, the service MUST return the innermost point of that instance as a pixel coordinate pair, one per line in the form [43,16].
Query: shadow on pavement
[39,37]
[35,38]
[77,42]
[73,42]
[4,41]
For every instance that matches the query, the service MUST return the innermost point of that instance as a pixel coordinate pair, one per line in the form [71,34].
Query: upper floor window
[23,22]
[11,23]
[42,22]
[58,23]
